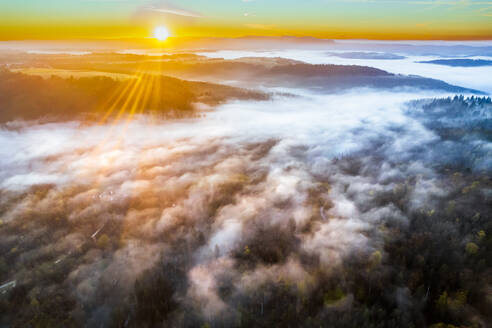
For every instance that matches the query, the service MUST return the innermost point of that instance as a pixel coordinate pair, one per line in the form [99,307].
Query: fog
[286,191]
[326,125]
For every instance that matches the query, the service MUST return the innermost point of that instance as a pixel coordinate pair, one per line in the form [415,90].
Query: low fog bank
[347,208]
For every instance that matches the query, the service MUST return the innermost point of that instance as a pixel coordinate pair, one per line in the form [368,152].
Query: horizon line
[249,36]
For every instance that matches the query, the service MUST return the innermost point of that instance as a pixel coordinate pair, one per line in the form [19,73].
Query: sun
[161,33]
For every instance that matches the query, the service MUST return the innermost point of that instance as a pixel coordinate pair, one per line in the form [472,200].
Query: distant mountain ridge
[459,62]
[245,72]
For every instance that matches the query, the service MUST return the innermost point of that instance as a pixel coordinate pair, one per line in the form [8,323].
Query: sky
[359,19]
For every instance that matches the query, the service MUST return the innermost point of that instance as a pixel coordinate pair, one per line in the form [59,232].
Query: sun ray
[129,99]
[148,92]
[121,95]
[140,97]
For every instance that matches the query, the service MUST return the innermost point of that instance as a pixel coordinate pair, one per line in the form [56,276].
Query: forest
[30,97]
[89,255]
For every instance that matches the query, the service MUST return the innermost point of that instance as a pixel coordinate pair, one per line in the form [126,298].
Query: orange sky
[371,19]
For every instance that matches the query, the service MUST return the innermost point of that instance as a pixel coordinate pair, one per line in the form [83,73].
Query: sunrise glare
[161,33]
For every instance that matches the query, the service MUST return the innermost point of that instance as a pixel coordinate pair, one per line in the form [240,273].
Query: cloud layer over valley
[295,210]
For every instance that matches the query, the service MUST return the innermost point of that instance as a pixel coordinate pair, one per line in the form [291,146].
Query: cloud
[165,7]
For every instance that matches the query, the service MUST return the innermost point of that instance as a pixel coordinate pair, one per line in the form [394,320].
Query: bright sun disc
[161,33]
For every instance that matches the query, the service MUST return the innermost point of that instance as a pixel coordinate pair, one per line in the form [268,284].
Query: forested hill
[31,97]
[463,126]
[457,116]
[457,106]
[465,62]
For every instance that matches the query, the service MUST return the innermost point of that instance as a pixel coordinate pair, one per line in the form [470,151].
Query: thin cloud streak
[167,8]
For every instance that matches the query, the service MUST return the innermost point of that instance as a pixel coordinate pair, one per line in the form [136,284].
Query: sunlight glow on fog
[328,125]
